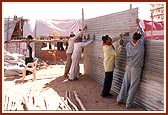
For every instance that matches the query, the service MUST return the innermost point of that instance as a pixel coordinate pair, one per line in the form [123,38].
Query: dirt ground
[51,84]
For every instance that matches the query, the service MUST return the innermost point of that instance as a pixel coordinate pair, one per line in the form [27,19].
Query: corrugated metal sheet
[112,24]
[151,90]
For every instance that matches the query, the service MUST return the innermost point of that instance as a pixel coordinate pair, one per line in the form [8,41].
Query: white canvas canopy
[9,26]
[51,27]
[44,27]
[28,28]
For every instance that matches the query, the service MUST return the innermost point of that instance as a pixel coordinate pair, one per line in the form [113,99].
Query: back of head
[104,38]
[79,39]
[29,37]
[136,36]
[72,34]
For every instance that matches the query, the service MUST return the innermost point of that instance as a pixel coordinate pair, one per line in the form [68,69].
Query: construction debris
[79,101]
[33,101]
[14,64]
[73,101]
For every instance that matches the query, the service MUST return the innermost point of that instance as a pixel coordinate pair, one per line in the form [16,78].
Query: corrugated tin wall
[150,94]
[151,90]
[112,24]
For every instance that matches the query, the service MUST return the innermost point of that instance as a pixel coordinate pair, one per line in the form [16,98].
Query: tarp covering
[51,27]
[13,63]
[28,28]
[9,26]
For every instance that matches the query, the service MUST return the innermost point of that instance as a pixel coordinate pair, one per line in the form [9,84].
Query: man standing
[28,57]
[76,56]
[135,58]
[69,51]
[109,58]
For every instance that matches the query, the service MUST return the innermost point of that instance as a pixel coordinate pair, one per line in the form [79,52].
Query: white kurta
[71,42]
[69,52]
[76,56]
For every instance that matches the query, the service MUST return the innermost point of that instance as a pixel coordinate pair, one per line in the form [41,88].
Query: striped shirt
[135,53]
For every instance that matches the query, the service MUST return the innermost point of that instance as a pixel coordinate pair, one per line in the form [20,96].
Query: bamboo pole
[82,18]
[152,26]
[79,101]
[69,102]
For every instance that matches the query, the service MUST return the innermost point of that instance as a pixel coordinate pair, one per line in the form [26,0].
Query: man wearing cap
[109,58]
[69,51]
[135,58]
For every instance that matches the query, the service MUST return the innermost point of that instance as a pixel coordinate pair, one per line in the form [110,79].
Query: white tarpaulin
[13,63]
[51,27]
[28,28]
[9,26]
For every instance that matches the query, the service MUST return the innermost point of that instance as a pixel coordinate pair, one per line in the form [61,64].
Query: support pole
[79,101]
[152,26]
[82,18]
[130,6]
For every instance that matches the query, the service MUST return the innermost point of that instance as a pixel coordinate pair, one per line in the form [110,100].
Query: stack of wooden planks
[47,100]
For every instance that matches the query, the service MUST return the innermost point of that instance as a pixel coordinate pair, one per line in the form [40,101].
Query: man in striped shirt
[135,58]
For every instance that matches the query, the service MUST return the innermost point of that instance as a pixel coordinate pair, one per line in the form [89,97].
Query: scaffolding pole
[82,18]
[152,26]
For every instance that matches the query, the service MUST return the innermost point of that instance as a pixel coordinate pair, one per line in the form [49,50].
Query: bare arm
[80,33]
[116,38]
[140,30]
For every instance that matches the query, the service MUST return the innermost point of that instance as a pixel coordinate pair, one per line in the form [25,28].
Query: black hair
[72,35]
[107,36]
[136,36]
[104,38]
[29,37]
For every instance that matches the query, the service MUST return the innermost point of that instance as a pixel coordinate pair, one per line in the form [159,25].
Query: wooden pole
[130,6]
[7,29]
[152,26]
[82,18]
[7,34]
[79,101]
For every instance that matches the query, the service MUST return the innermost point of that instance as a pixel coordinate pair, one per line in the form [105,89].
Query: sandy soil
[50,83]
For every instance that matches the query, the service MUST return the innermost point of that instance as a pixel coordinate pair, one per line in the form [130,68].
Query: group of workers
[133,69]
[134,63]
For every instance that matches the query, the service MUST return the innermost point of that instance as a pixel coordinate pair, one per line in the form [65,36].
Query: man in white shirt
[76,56]
[70,49]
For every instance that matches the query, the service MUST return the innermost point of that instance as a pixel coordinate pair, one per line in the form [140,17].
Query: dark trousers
[28,60]
[60,46]
[107,83]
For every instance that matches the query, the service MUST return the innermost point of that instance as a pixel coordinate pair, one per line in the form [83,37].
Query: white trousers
[75,68]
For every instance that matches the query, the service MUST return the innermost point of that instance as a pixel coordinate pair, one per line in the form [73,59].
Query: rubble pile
[14,64]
